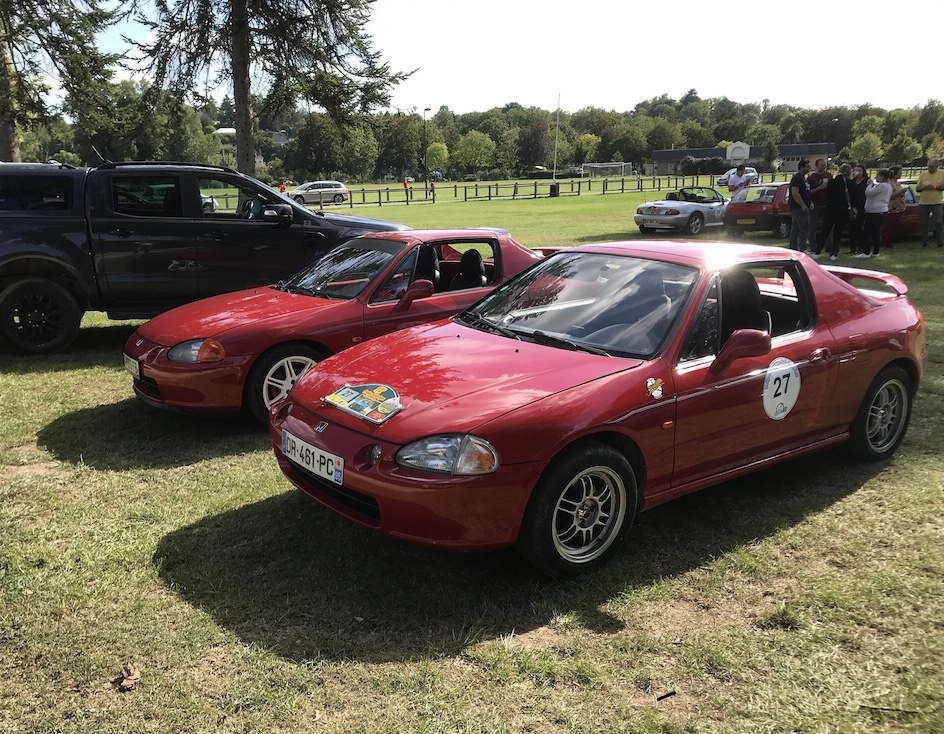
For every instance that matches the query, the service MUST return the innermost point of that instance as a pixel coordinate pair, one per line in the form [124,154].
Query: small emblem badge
[321,426]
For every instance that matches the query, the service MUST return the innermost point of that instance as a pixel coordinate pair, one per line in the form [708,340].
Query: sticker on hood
[375,403]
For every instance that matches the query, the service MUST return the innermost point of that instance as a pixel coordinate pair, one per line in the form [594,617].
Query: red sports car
[246,349]
[600,382]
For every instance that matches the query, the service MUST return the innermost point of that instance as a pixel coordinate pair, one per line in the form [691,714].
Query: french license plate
[652,222]
[132,365]
[746,221]
[318,462]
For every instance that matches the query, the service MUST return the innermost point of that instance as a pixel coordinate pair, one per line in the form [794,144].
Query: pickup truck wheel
[580,512]
[38,316]
[275,373]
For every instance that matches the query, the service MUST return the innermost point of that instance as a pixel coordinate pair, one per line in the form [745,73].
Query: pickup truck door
[238,249]
[142,239]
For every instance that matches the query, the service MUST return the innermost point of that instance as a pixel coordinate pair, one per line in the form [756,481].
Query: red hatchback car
[246,349]
[764,208]
[600,382]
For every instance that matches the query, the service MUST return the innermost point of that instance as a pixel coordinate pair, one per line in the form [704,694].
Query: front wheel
[694,224]
[300,199]
[580,511]
[38,316]
[883,417]
[274,374]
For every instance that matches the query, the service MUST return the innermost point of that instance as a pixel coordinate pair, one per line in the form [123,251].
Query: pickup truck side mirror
[418,289]
[742,343]
[279,213]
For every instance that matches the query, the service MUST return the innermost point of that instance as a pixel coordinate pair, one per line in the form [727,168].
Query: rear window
[36,193]
[755,195]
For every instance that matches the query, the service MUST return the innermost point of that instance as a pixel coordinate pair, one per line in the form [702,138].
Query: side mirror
[418,289]
[278,213]
[742,343]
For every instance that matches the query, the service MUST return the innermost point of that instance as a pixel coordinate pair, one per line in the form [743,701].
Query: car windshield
[346,270]
[755,195]
[613,304]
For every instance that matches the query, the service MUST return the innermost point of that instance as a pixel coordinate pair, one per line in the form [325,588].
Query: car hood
[449,378]
[212,316]
[356,224]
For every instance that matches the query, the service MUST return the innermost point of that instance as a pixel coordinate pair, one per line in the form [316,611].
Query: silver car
[750,173]
[688,210]
[320,192]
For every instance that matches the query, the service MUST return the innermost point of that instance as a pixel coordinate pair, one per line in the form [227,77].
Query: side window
[398,281]
[224,199]
[147,196]
[702,340]
[36,193]
[785,296]
[468,264]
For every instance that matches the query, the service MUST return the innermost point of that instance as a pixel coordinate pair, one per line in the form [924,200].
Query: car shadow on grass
[131,435]
[286,575]
[98,346]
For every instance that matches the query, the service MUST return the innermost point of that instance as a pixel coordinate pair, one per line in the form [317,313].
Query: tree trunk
[245,147]
[9,138]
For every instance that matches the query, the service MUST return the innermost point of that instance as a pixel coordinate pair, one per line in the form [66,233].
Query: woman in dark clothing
[838,206]
[860,182]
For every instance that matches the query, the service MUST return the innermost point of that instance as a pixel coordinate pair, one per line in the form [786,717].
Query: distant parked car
[689,210]
[320,192]
[751,173]
[764,207]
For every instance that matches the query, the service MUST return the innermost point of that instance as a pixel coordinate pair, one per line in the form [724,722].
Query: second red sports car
[247,349]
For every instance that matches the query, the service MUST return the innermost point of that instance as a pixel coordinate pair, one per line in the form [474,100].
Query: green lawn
[804,599]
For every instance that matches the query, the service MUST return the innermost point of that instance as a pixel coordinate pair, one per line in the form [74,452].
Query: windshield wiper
[483,322]
[540,336]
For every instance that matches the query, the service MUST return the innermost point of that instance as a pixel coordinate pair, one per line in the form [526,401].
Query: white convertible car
[689,210]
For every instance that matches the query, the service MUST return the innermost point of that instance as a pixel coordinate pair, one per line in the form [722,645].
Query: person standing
[896,207]
[877,195]
[738,180]
[800,204]
[860,181]
[818,181]
[931,187]
[836,216]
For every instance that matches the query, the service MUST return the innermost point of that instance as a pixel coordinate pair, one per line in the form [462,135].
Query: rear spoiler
[854,276]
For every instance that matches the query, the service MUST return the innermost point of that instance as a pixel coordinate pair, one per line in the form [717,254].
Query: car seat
[173,207]
[671,196]
[471,272]
[427,266]
[741,305]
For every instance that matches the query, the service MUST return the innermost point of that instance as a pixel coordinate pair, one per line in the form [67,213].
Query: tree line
[322,86]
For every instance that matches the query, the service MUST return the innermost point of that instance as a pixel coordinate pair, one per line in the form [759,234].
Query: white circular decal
[781,388]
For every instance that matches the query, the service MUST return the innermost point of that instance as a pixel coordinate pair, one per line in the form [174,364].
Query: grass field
[803,599]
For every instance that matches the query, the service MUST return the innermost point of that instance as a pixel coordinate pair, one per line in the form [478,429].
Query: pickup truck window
[225,199]
[35,193]
[147,196]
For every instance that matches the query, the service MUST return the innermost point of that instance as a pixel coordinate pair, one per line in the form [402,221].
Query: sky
[613,54]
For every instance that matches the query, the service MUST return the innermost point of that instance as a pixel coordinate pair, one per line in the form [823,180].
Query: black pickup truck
[134,239]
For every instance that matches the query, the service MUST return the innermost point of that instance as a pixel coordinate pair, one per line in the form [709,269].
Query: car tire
[580,511]
[883,418]
[734,232]
[782,228]
[339,198]
[646,230]
[695,224]
[38,316]
[300,199]
[274,374]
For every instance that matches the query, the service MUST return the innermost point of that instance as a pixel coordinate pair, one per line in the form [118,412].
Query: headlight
[197,350]
[460,455]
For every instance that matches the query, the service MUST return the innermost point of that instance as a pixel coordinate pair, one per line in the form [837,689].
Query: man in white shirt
[738,180]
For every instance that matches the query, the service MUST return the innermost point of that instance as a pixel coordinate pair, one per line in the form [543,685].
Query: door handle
[820,355]
[314,235]
[121,232]
[215,236]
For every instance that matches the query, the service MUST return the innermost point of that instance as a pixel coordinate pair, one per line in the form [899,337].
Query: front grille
[361,504]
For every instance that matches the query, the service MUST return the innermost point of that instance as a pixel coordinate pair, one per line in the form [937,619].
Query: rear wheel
[695,224]
[38,316]
[646,230]
[339,198]
[782,228]
[734,232]
[883,417]
[275,373]
[580,512]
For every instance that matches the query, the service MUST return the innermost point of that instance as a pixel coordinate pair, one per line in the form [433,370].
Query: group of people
[871,208]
